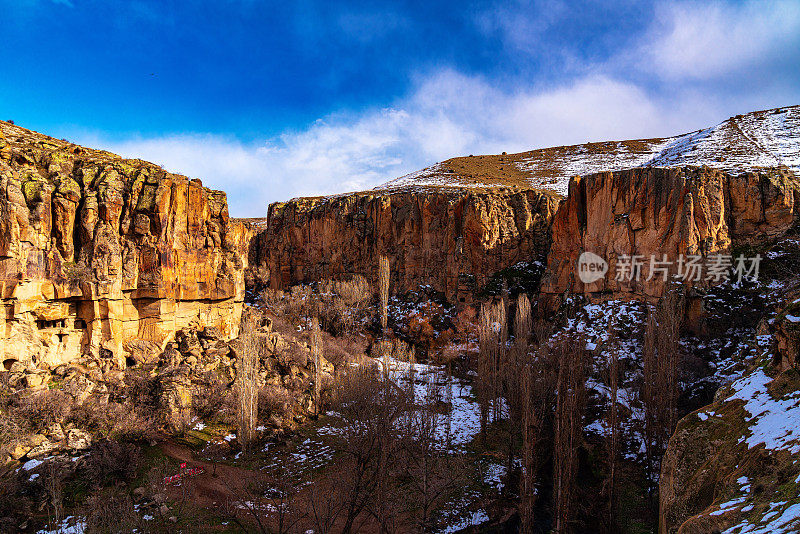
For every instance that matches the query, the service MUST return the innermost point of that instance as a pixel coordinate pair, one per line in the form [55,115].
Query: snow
[494,475]
[742,143]
[779,521]
[475,518]
[728,506]
[31,464]
[70,525]
[465,414]
[773,423]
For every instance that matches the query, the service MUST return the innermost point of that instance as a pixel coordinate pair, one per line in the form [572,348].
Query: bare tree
[513,372]
[383,289]
[433,471]
[659,389]
[247,381]
[493,335]
[316,352]
[538,394]
[570,404]
[370,407]
[614,441]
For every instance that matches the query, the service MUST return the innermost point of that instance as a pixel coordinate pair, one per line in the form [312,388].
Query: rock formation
[97,251]
[653,213]
[448,238]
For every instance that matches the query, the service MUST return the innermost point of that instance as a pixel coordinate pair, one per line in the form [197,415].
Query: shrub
[111,461]
[76,273]
[111,510]
[340,305]
[211,399]
[40,409]
[95,418]
[273,400]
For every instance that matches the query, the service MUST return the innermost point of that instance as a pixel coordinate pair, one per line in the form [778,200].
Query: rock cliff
[451,239]
[653,212]
[97,251]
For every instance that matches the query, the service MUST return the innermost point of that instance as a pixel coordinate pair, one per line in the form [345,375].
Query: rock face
[735,465]
[97,251]
[654,211]
[451,239]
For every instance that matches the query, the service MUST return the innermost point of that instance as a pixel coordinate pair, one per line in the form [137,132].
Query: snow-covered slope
[760,139]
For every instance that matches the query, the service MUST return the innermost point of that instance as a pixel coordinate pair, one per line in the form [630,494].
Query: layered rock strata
[655,212]
[448,238]
[97,251]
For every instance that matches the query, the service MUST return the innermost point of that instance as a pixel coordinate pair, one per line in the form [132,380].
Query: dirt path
[208,491]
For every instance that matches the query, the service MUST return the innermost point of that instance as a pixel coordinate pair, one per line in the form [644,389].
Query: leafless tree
[247,381]
[614,441]
[493,335]
[433,471]
[538,394]
[370,407]
[570,404]
[512,372]
[659,389]
[383,289]
[316,352]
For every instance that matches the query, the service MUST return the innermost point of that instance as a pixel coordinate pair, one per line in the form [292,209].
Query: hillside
[755,140]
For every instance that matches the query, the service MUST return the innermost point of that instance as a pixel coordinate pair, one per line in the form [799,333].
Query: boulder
[78,439]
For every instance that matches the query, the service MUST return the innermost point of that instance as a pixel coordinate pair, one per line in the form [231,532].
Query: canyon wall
[454,239]
[663,211]
[97,251]
[451,239]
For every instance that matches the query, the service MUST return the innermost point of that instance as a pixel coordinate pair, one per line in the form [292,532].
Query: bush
[340,305]
[112,461]
[111,510]
[211,399]
[76,273]
[40,409]
[273,400]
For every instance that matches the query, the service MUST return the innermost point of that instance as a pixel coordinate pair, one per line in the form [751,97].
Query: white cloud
[448,114]
[702,41]
[521,23]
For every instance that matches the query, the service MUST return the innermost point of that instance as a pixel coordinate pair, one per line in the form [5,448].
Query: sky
[273,100]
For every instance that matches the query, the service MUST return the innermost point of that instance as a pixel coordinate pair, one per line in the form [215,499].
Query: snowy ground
[741,143]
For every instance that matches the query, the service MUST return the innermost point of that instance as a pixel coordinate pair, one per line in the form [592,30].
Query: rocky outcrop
[448,238]
[97,251]
[653,212]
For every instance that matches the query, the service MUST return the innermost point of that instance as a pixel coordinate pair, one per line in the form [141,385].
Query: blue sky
[270,100]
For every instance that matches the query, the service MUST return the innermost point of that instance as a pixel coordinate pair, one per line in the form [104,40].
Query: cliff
[657,212]
[96,251]
[451,239]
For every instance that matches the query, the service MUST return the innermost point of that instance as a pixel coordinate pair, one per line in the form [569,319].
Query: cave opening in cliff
[9,363]
[43,324]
